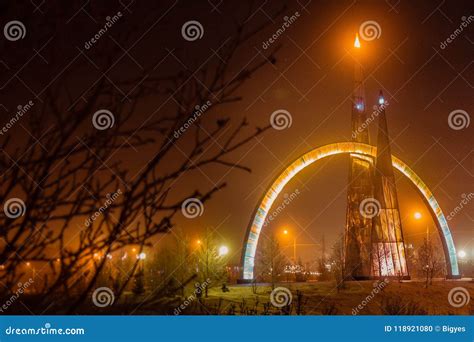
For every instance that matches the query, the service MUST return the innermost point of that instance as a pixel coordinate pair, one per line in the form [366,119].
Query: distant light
[223,250]
[462,254]
[198,242]
[141,256]
[360,106]
[134,249]
[381,100]
[28,264]
[357,42]
[417,215]
[285,232]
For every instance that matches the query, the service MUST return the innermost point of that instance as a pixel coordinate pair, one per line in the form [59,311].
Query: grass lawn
[322,298]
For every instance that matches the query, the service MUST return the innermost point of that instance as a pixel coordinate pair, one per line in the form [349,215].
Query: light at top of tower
[381,99]
[357,42]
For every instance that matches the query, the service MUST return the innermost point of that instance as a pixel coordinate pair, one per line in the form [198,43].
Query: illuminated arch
[255,226]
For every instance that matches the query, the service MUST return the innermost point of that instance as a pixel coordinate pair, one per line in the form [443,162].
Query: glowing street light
[417,215]
[141,256]
[198,242]
[285,232]
[223,250]
[462,254]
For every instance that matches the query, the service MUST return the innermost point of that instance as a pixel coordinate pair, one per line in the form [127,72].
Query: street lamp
[417,215]
[285,232]
[462,254]
[223,250]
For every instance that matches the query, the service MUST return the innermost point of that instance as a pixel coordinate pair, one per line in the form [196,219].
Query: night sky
[312,79]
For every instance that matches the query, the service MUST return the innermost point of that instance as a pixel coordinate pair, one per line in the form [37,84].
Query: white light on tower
[223,250]
[381,99]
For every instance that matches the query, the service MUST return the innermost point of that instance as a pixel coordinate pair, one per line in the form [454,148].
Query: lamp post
[285,232]
[417,215]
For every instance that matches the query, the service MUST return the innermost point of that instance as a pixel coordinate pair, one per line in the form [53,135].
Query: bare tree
[270,260]
[322,262]
[429,262]
[338,264]
[211,265]
[184,259]
[66,171]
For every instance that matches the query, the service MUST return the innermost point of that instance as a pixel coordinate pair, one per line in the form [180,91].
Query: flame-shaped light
[357,42]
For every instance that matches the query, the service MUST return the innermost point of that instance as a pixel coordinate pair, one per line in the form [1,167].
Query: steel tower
[388,248]
[357,241]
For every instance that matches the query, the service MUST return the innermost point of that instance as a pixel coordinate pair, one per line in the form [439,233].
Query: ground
[408,297]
